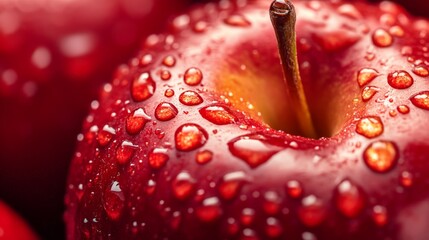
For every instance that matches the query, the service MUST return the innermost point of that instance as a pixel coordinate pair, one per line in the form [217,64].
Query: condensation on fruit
[273,228]
[272,203]
[406,179]
[105,136]
[370,127]
[113,200]
[203,157]
[379,215]
[231,184]
[169,61]
[183,186]
[210,210]
[165,111]
[136,121]
[421,71]
[190,136]
[369,92]
[400,79]
[312,211]
[421,100]
[190,98]
[382,38]
[143,87]
[125,151]
[158,157]
[349,199]
[193,76]
[237,21]
[294,189]
[217,114]
[247,216]
[381,156]
[366,75]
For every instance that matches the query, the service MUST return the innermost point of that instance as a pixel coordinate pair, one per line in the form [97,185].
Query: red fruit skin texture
[216,170]
[54,56]
[12,226]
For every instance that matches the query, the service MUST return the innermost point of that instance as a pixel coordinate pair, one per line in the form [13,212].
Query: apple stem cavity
[283,18]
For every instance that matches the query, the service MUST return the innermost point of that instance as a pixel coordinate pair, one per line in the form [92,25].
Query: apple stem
[283,18]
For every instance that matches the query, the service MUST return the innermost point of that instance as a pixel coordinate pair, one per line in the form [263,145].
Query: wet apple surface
[196,138]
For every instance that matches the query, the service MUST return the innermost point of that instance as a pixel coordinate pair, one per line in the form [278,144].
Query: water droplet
[421,71]
[165,111]
[200,26]
[143,87]
[366,75]
[136,121]
[232,226]
[237,21]
[393,113]
[254,150]
[165,75]
[349,199]
[113,201]
[231,184]
[210,210]
[404,109]
[193,76]
[183,186]
[400,79]
[217,114]
[158,158]
[146,60]
[397,31]
[247,216]
[150,187]
[190,98]
[125,152]
[369,92]
[421,100]
[203,157]
[370,127]
[169,92]
[350,11]
[312,211]
[406,179]
[381,156]
[379,215]
[294,189]
[381,38]
[272,202]
[105,135]
[169,61]
[190,136]
[273,228]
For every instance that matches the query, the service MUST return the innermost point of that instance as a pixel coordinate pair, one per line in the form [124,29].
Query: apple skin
[54,56]
[12,226]
[210,167]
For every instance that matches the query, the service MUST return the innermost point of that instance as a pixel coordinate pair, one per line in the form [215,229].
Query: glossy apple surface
[185,145]
[54,55]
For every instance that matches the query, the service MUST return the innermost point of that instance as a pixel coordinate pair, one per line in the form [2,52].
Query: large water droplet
[193,76]
[125,152]
[366,75]
[382,38]
[105,135]
[421,71]
[400,79]
[231,184]
[369,92]
[136,121]
[158,158]
[190,98]
[190,136]
[210,210]
[165,111]
[312,211]
[421,100]
[349,199]
[379,215]
[183,186]
[254,150]
[381,156]
[203,157]
[370,127]
[143,87]
[113,201]
[217,114]
[237,21]
[169,61]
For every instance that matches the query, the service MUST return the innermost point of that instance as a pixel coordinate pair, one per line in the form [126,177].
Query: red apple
[204,140]
[54,55]
[12,226]
[418,7]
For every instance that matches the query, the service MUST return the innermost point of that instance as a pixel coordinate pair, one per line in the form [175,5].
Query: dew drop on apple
[381,156]
[379,215]
[203,157]
[169,92]
[169,61]
[193,76]
[421,71]
[150,187]
[218,114]
[183,186]
[113,201]
[158,157]
[421,100]
[312,211]
[190,136]
[143,87]
[271,203]
[366,75]
[231,184]
[105,135]
[369,92]
[210,210]
[165,75]
[232,226]
[397,31]
[273,228]
[190,98]
[247,216]
[404,109]
[349,199]
[249,234]
[125,151]
[165,111]
[136,121]
[370,127]
[406,179]
[237,21]
[349,10]
[400,79]
[146,60]
[294,189]
[382,38]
